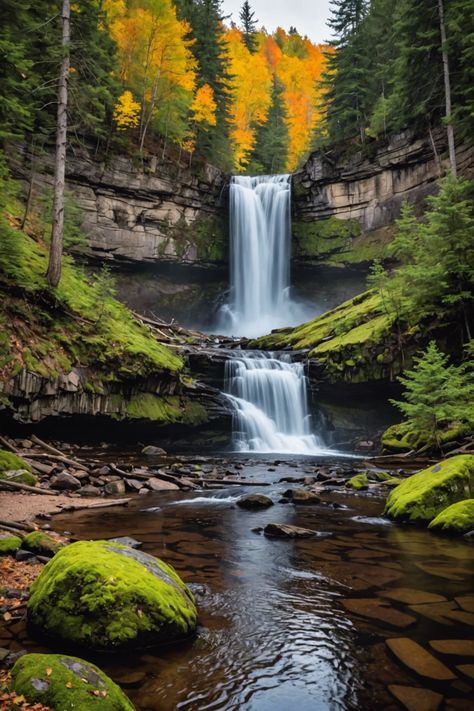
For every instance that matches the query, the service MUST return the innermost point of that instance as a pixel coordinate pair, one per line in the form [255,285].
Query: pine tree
[346,16]
[248,26]
[271,146]
[437,395]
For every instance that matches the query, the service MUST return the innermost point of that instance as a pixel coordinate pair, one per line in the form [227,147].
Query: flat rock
[411,596]
[126,541]
[418,659]
[282,530]
[467,670]
[377,609]
[130,679]
[152,451]
[436,611]
[466,602]
[415,699]
[461,647]
[439,571]
[255,501]
[156,484]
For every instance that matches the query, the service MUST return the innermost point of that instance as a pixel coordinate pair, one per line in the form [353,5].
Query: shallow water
[274,633]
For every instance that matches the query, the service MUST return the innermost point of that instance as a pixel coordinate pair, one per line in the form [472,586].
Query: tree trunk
[447,91]
[56,250]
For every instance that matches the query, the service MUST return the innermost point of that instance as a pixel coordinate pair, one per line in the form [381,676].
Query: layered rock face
[340,201]
[150,211]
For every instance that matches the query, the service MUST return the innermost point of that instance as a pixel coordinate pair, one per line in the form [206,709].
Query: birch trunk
[447,91]
[56,250]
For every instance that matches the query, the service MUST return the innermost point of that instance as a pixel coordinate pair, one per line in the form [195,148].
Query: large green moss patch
[457,518]
[106,596]
[11,462]
[426,494]
[66,683]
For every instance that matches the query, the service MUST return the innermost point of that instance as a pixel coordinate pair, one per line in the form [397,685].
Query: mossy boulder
[457,518]
[103,595]
[64,683]
[403,437]
[14,468]
[424,495]
[9,543]
[10,462]
[42,543]
[358,482]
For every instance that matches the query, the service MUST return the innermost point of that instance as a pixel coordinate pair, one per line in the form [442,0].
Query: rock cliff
[344,206]
[155,210]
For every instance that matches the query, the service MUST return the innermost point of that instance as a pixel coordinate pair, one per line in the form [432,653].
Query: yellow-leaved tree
[127,111]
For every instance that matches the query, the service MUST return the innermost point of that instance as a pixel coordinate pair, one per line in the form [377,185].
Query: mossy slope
[66,683]
[103,595]
[457,518]
[353,342]
[426,494]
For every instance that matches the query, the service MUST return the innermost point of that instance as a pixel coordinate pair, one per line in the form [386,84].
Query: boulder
[283,530]
[107,596]
[115,487]
[424,495]
[64,682]
[9,543]
[254,501]
[65,482]
[88,490]
[457,518]
[156,484]
[41,543]
[11,462]
[301,496]
[152,451]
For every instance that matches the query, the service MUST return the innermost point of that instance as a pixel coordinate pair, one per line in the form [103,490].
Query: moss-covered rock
[10,462]
[65,683]
[457,518]
[9,543]
[104,595]
[404,437]
[20,477]
[318,239]
[42,543]
[424,495]
[358,482]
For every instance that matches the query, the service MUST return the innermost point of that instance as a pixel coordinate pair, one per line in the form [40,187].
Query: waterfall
[269,397]
[260,242]
[268,393]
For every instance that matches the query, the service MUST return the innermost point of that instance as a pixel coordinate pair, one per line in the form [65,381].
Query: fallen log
[57,458]
[8,445]
[10,529]
[40,467]
[67,508]
[22,526]
[58,454]
[25,487]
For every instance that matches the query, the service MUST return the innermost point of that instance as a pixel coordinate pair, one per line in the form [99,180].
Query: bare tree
[56,250]
[447,90]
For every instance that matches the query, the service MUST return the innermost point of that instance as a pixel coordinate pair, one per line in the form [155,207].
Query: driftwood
[22,526]
[58,454]
[10,529]
[25,487]
[57,458]
[8,445]
[40,467]
[101,505]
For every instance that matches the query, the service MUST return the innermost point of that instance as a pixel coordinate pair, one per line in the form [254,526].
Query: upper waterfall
[260,244]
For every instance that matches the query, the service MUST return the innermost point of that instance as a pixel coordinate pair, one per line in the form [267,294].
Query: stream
[274,631]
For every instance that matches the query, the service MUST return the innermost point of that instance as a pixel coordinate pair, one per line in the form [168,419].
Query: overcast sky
[308,16]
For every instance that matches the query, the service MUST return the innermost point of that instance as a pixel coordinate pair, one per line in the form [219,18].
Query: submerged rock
[424,495]
[419,660]
[104,595]
[255,501]
[457,518]
[64,683]
[282,530]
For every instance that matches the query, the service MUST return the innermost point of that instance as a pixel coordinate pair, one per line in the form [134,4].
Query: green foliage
[424,495]
[271,143]
[103,595]
[437,395]
[248,26]
[323,238]
[67,683]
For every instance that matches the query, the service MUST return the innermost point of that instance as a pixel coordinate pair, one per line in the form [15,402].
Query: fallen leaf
[69,685]
[49,671]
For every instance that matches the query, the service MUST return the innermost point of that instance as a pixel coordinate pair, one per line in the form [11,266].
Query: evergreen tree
[346,16]
[437,395]
[271,146]
[248,26]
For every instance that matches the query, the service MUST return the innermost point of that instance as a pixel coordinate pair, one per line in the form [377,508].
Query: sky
[308,16]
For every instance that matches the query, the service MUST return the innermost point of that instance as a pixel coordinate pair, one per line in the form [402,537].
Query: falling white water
[260,242]
[271,412]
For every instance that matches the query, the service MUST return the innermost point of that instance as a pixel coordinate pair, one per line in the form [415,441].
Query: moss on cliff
[169,409]
[320,238]
[206,237]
